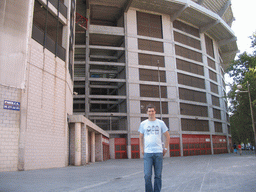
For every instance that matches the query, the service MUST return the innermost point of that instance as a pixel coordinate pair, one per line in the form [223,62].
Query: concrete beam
[107,114]
[104,86]
[107,97]
[226,41]
[84,120]
[107,80]
[224,54]
[106,30]
[224,8]
[231,21]
[106,63]
[178,13]
[103,71]
[205,28]
[103,57]
[127,5]
[104,102]
[200,2]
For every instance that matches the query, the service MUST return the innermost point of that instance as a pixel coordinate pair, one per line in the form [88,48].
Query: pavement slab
[223,172]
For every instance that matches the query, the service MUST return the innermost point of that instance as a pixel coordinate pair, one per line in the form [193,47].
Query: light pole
[159,88]
[250,101]
[110,122]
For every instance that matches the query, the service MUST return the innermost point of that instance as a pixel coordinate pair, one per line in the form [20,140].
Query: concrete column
[93,147]
[168,148]
[129,151]
[212,144]
[23,128]
[78,144]
[87,145]
[181,143]
[87,60]
[112,148]
[168,151]
[83,142]
[98,148]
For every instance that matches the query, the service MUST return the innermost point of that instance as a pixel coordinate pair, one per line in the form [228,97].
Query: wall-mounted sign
[11,105]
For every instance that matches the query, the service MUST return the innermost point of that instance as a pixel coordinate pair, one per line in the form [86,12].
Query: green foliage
[253,38]
[243,72]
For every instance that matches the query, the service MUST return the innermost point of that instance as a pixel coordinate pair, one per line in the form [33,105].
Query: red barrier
[81,21]
[196,145]
[120,148]
[219,144]
[135,145]
[174,146]
[106,152]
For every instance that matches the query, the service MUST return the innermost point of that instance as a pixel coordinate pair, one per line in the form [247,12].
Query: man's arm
[142,143]
[166,143]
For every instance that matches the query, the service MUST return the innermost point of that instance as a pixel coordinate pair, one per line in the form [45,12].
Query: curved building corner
[172,54]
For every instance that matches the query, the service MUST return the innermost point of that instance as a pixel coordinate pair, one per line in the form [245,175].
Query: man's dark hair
[150,106]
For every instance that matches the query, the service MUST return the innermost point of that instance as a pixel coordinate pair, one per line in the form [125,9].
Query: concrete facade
[36,136]
[108,70]
[9,130]
[46,110]
[41,62]
[174,115]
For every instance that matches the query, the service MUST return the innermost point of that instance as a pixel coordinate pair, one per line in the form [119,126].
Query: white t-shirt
[153,131]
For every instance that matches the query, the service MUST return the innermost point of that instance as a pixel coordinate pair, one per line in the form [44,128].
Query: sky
[245,22]
[243,26]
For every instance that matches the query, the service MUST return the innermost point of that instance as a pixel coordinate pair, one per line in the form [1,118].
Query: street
[223,172]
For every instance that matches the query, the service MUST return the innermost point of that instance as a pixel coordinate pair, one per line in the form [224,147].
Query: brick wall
[9,130]
[46,131]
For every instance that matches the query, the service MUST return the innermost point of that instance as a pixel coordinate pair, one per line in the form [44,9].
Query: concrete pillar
[168,151]
[93,147]
[129,151]
[84,145]
[212,144]
[78,144]
[98,148]
[181,144]
[112,148]
[87,145]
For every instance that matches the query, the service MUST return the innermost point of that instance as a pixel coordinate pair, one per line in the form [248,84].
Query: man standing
[151,131]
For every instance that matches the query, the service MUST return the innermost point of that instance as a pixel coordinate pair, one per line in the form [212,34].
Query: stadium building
[169,53]
[77,75]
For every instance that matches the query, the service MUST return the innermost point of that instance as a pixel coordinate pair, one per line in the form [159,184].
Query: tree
[243,70]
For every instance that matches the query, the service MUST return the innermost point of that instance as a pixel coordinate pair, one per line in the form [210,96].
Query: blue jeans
[153,160]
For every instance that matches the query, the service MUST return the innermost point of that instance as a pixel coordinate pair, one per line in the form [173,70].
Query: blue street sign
[11,105]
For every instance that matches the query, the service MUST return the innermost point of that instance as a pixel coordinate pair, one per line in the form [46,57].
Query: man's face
[151,112]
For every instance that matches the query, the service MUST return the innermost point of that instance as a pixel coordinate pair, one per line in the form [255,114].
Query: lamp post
[159,88]
[250,101]
[110,122]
